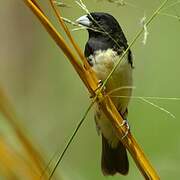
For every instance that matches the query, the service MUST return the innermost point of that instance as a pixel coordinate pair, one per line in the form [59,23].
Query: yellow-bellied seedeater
[104,47]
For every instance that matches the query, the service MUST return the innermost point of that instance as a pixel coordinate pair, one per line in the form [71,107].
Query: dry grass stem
[71,22]
[61,4]
[158,107]
[63,25]
[172,5]
[121,3]
[143,23]
[117,2]
[170,15]
[10,115]
[13,166]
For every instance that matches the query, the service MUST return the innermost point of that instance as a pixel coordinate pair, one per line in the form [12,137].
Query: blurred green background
[50,99]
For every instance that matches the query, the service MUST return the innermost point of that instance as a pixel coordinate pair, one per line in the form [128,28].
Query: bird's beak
[83,20]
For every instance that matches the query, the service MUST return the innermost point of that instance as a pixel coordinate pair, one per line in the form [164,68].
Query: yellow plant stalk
[81,55]
[30,151]
[91,82]
[13,166]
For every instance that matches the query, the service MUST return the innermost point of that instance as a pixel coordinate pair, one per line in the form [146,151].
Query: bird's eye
[98,18]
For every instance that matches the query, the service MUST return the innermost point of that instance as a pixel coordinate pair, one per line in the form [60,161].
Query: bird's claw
[100,83]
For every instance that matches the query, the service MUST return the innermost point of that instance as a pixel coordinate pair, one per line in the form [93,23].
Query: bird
[106,43]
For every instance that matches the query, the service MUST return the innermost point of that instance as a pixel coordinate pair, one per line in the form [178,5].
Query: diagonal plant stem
[58,15]
[37,5]
[71,138]
[134,40]
[158,107]
[8,112]
[84,75]
[170,15]
[172,5]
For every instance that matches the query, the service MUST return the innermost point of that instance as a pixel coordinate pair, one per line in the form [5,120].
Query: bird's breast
[120,83]
[119,87]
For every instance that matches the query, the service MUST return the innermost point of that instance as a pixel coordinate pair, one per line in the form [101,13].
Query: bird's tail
[114,160]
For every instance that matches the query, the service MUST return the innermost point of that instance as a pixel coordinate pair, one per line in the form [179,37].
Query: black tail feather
[114,160]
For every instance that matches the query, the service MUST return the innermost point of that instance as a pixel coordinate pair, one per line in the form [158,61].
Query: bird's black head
[100,23]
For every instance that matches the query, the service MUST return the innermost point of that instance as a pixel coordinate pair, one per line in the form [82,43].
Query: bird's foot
[100,83]
[125,123]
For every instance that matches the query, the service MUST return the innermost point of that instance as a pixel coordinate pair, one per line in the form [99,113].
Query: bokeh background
[50,99]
